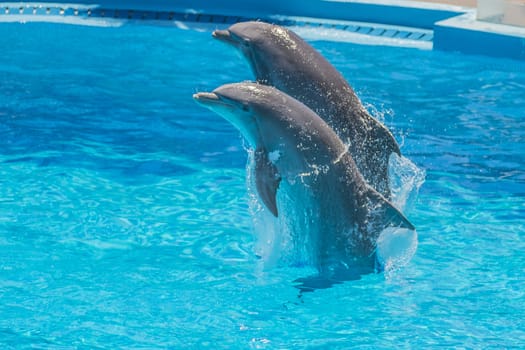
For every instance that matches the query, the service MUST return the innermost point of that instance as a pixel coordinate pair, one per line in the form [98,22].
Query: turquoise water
[124,216]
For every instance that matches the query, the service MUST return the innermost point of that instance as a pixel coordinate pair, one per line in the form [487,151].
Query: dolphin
[302,166]
[280,58]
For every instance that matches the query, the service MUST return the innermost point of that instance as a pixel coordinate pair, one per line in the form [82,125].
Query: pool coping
[429,25]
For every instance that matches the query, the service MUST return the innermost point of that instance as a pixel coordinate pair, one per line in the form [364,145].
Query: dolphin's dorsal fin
[379,131]
[267,180]
[371,149]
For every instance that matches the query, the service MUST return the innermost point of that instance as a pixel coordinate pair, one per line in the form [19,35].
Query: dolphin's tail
[380,215]
[390,215]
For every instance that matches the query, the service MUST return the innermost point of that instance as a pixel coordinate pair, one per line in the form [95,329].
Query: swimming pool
[124,214]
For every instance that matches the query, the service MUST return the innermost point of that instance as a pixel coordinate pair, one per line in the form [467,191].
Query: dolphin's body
[280,58]
[298,154]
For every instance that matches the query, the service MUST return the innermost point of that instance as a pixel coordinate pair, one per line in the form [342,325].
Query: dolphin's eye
[245,107]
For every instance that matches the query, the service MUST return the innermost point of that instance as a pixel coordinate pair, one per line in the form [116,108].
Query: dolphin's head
[274,121]
[271,50]
[261,113]
[254,109]
[233,103]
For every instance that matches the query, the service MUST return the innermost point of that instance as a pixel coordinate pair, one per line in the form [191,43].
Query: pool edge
[453,28]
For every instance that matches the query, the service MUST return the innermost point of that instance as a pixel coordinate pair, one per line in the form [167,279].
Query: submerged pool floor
[124,217]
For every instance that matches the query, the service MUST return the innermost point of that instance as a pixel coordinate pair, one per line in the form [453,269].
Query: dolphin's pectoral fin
[267,180]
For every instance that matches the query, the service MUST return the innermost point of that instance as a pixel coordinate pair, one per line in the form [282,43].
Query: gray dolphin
[298,153]
[280,58]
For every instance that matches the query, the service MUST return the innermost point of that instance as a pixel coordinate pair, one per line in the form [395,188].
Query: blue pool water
[124,217]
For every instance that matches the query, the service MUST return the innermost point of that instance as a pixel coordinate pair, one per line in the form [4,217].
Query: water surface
[124,219]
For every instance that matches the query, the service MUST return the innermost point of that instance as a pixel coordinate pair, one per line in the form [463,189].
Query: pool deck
[449,25]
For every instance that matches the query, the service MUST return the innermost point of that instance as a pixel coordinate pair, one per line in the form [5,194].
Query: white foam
[396,247]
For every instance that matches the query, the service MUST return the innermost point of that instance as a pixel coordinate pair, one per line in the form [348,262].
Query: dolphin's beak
[212,100]
[225,36]
[206,98]
[231,110]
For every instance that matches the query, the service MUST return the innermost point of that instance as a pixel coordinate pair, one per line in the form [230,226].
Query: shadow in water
[334,276]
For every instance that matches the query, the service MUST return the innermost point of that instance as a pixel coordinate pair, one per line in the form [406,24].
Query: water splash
[395,248]
[405,179]
[284,241]
[269,242]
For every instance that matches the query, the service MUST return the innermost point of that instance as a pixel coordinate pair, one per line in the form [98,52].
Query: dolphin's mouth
[205,97]
[225,36]
[233,39]
[210,98]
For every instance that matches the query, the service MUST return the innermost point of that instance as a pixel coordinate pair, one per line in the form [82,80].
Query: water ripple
[125,219]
